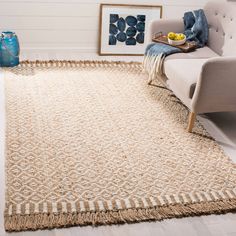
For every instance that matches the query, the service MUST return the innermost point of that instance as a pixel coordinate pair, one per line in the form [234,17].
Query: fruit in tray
[175,36]
[172,35]
[176,39]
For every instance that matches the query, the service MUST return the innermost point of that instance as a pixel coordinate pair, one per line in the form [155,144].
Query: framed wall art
[123,28]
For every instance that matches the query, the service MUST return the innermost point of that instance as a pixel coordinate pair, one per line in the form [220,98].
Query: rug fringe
[79,63]
[49,221]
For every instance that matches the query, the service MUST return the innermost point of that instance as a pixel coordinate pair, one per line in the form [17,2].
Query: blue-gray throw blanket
[195,28]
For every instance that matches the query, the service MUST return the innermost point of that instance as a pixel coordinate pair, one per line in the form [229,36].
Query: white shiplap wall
[69,24]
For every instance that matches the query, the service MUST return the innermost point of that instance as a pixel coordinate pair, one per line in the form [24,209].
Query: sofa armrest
[216,87]
[165,26]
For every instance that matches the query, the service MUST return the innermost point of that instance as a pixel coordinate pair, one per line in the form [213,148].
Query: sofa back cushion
[221,16]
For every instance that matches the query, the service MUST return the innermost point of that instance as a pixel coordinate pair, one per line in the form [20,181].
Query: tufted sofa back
[221,16]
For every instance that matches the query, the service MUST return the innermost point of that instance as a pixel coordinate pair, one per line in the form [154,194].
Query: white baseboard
[50,53]
[53,49]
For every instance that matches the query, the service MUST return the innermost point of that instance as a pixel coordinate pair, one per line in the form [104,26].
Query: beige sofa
[204,80]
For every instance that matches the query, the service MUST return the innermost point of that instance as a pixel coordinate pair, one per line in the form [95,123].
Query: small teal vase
[9,49]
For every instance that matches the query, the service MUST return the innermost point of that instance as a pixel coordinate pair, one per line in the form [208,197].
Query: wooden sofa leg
[192,117]
[149,80]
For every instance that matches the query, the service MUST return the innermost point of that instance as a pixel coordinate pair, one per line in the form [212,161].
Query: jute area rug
[90,143]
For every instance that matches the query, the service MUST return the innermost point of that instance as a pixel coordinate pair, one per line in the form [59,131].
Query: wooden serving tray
[187,47]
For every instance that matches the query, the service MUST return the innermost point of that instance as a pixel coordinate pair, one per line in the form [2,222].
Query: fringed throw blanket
[196,29]
[89,143]
[154,57]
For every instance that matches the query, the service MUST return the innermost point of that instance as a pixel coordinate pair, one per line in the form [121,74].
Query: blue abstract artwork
[128,30]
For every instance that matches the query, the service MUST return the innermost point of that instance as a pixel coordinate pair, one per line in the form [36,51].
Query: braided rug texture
[90,143]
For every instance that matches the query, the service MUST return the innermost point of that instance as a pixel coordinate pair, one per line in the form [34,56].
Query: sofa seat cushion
[205,52]
[182,76]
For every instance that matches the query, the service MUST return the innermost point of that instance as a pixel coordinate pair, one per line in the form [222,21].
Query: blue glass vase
[9,49]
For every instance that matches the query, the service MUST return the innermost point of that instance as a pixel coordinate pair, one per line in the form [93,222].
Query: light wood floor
[221,126]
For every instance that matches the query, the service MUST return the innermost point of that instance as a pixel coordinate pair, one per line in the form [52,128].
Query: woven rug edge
[62,63]
[34,222]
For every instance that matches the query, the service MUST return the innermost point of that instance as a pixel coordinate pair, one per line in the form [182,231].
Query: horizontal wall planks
[174,12]
[42,24]
[151,2]
[37,9]
[50,23]
[56,36]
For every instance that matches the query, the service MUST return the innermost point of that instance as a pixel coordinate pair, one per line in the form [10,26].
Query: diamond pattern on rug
[92,143]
